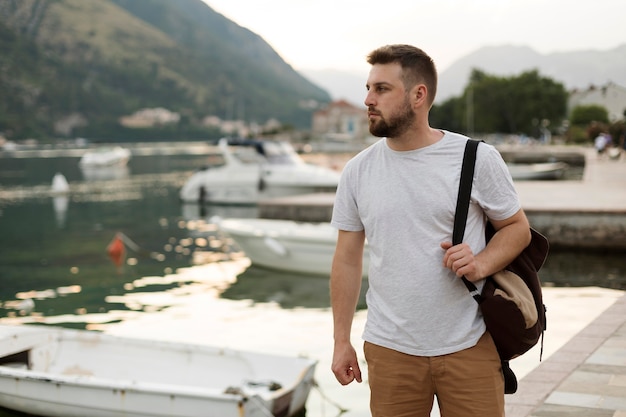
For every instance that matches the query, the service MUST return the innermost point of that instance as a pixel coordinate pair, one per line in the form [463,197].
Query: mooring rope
[261,405]
[328,400]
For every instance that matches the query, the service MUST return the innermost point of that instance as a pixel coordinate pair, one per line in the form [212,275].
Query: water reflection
[191,211]
[584,269]
[287,289]
[60,204]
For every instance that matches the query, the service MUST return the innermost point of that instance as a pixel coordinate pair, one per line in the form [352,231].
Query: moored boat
[58,372]
[539,171]
[256,169]
[105,157]
[286,245]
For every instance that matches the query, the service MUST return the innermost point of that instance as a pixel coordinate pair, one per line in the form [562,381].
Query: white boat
[286,245]
[539,171]
[105,157]
[256,169]
[52,371]
[105,173]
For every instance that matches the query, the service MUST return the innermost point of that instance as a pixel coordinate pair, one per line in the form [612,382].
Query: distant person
[425,337]
[601,142]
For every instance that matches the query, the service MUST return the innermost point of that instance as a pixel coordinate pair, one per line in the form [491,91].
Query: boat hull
[247,180]
[224,185]
[105,157]
[73,373]
[541,171]
[286,245]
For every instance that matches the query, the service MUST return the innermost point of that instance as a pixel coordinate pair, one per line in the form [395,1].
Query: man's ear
[419,94]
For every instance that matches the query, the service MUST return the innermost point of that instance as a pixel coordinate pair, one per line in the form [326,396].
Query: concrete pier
[585,378]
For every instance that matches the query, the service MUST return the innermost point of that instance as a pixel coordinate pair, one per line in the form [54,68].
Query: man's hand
[511,237]
[460,259]
[345,365]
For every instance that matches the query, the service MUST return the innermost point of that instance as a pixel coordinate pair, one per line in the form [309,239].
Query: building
[610,96]
[149,118]
[341,121]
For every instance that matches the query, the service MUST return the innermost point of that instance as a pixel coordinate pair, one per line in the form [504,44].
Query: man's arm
[511,237]
[345,287]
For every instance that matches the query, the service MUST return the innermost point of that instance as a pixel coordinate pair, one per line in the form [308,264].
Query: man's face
[388,105]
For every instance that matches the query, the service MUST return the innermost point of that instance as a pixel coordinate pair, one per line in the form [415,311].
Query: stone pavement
[585,378]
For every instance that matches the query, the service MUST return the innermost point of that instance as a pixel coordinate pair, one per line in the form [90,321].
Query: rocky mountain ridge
[95,61]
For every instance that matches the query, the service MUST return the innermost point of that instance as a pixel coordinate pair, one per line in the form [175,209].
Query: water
[181,280]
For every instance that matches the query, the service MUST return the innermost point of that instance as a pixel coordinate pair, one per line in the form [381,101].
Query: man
[424,335]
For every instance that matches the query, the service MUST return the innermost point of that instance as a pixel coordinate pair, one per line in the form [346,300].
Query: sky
[338,34]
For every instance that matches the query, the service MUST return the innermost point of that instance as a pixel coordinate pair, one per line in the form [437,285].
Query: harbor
[55,255]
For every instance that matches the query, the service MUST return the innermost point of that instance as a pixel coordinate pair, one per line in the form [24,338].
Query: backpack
[511,300]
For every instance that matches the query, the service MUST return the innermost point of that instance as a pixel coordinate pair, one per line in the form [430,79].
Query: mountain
[97,60]
[576,70]
[345,85]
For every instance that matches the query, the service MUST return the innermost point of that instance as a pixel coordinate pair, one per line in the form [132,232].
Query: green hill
[86,63]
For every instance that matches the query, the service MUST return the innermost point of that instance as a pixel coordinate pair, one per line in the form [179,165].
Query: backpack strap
[462,205]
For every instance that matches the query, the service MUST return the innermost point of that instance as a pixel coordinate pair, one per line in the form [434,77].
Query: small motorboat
[254,170]
[54,371]
[539,171]
[286,245]
[105,173]
[102,157]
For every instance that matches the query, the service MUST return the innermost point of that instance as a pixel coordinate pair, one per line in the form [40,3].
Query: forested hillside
[74,67]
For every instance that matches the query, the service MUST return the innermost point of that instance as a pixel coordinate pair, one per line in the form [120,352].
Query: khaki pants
[468,383]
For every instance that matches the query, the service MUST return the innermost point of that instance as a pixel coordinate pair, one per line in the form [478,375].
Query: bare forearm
[345,287]
[511,237]
[509,241]
[345,281]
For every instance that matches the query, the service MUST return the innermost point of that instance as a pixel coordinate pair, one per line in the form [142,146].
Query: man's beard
[398,123]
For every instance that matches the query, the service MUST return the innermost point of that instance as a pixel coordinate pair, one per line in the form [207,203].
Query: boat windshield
[257,152]
[280,153]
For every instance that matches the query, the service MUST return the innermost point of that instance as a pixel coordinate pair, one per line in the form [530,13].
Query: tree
[584,115]
[449,115]
[520,104]
[516,104]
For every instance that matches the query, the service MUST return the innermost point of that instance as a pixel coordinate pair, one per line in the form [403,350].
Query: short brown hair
[416,65]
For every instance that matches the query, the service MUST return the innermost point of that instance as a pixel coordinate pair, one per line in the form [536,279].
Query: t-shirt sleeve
[493,186]
[345,210]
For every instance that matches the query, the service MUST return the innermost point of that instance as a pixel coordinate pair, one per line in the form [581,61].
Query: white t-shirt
[405,202]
